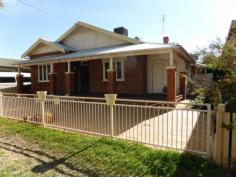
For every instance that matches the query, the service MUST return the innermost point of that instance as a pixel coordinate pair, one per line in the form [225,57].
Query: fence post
[233,162]
[42,96]
[111,100]
[1,104]
[219,138]
[209,139]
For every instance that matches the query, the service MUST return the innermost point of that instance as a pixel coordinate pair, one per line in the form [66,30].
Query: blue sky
[190,23]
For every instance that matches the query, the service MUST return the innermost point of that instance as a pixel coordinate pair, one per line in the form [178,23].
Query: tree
[222,58]
[1,4]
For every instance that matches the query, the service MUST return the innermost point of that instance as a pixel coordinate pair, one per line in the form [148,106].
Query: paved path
[178,129]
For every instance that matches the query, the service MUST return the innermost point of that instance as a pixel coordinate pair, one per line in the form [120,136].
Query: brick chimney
[121,30]
[166,40]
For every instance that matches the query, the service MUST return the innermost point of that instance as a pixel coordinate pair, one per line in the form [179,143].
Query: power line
[43,11]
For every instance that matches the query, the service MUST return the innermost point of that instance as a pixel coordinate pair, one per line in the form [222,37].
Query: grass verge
[96,156]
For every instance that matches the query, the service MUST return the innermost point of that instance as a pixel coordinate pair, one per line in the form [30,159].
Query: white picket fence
[181,126]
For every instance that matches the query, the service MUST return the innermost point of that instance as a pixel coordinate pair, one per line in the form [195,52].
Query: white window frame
[44,79]
[115,64]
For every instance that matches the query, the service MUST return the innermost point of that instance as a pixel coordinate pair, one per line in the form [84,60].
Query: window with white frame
[118,66]
[43,71]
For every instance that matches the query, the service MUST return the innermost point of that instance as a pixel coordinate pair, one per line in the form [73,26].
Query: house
[7,65]
[232,31]
[8,72]
[88,60]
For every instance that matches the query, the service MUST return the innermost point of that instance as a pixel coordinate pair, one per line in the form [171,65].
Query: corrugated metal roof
[8,62]
[104,52]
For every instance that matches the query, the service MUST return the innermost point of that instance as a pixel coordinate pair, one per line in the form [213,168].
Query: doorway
[157,75]
[84,73]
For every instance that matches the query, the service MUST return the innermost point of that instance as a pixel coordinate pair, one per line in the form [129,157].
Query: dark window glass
[48,70]
[118,70]
[40,73]
[44,72]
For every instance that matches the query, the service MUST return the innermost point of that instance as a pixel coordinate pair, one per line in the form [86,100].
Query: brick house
[87,60]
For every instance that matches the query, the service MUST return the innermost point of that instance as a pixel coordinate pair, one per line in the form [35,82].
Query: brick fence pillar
[20,83]
[171,83]
[69,83]
[52,83]
[111,84]
[183,85]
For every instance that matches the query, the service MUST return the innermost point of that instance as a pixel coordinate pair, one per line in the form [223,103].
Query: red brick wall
[60,69]
[171,84]
[135,76]
[35,85]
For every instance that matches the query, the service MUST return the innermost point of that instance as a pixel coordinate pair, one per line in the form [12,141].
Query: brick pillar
[182,85]
[111,84]
[69,83]
[20,83]
[171,83]
[52,83]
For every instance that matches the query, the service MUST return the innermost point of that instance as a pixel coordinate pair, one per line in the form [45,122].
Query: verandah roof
[99,53]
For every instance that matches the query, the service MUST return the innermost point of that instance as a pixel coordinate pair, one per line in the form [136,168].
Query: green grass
[96,156]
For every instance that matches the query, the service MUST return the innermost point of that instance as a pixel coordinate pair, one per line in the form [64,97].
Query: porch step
[179,98]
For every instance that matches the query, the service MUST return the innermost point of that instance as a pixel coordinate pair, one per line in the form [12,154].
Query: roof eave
[92,57]
[186,53]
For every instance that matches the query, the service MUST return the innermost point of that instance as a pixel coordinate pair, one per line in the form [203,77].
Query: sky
[190,23]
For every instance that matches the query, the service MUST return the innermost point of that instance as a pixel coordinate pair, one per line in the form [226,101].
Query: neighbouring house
[8,73]
[232,31]
[87,60]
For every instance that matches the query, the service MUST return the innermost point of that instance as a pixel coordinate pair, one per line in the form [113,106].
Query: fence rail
[163,124]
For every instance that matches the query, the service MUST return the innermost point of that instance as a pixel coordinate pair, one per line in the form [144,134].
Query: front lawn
[50,152]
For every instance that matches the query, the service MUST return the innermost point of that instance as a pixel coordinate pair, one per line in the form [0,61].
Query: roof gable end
[97,29]
[41,42]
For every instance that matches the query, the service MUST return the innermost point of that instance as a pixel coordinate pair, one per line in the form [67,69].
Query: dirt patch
[21,158]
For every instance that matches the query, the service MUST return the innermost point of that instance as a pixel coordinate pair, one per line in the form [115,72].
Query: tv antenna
[163,20]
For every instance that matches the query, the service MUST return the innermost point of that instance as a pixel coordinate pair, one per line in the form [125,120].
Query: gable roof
[94,28]
[54,45]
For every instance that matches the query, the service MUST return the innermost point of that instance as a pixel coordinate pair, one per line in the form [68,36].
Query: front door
[84,72]
[157,75]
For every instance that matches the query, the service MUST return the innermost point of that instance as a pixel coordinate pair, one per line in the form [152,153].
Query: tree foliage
[222,58]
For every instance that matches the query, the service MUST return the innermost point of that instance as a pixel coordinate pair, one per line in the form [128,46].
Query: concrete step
[179,98]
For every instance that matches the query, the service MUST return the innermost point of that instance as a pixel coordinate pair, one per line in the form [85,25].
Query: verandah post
[111,76]
[20,81]
[42,96]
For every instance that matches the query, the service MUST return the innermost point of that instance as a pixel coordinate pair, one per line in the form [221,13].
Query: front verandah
[78,80]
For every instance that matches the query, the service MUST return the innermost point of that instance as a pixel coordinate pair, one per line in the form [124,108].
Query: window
[43,71]
[118,66]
